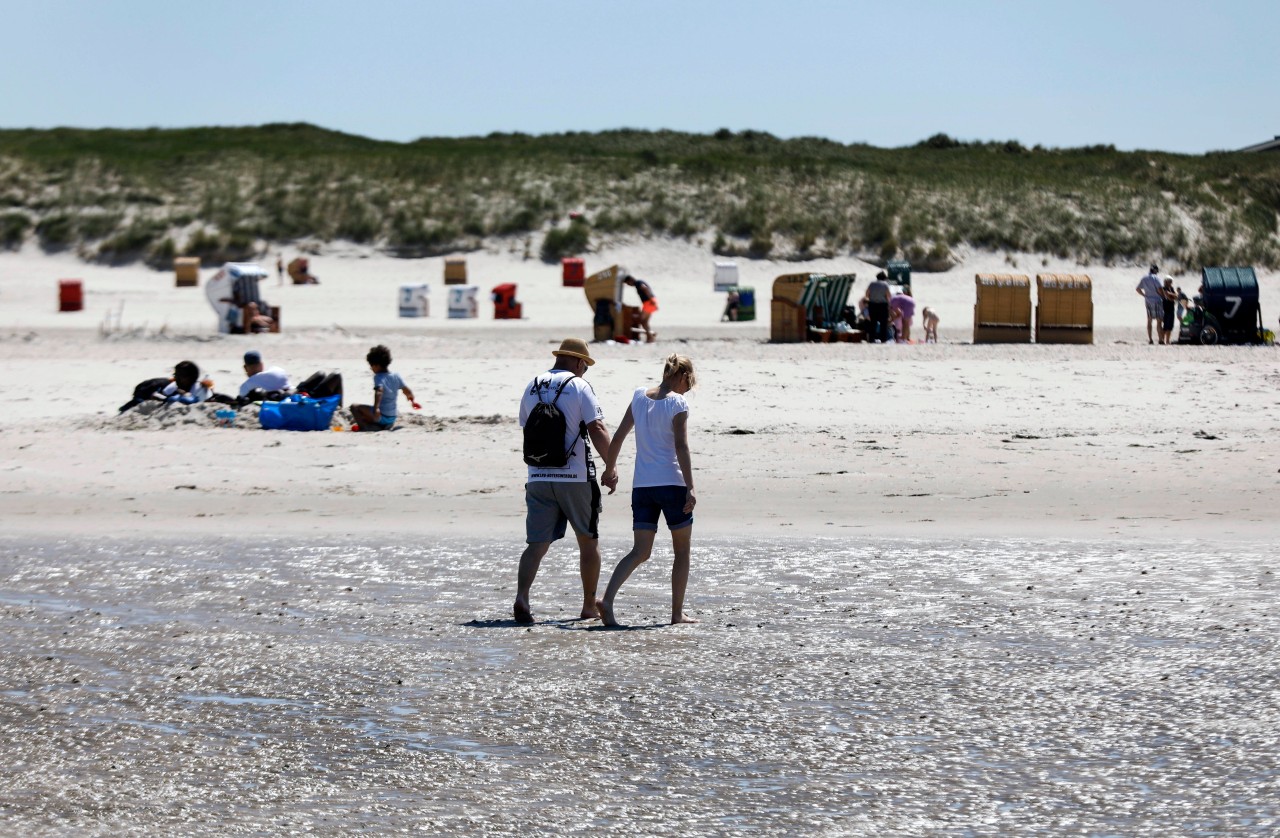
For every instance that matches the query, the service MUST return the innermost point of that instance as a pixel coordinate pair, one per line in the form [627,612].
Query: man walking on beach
[567,494]
[1149,288]
[878,297]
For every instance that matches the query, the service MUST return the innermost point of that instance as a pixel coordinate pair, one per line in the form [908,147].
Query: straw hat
[574,348]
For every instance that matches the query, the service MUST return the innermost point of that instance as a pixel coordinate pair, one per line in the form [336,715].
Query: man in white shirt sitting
[268,379]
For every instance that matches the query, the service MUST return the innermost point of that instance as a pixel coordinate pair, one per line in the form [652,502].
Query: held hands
[610,480]
[690,500]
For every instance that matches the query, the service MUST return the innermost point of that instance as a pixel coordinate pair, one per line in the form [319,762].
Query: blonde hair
[677,364]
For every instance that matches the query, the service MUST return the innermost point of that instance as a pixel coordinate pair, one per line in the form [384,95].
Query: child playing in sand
[187,387]
[387,385]
[663,482]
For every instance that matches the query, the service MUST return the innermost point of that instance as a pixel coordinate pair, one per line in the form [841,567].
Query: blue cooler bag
[299,413]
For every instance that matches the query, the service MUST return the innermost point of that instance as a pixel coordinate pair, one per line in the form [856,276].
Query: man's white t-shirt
[272,378]
[656,462]
[578,404]
[1150,286]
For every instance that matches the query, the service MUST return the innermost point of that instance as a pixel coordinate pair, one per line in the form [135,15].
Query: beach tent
[1002,313]
[233,287]
[1228,310]
[1064,308]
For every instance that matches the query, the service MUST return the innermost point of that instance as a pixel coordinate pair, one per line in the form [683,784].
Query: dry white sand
[1115,440]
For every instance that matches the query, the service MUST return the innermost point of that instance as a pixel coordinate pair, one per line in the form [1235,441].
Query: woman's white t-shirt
[656,463]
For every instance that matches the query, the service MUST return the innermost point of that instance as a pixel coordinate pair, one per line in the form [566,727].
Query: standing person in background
[1169,303]
[648,305]
[280,269]
[565,494]
[906,304]
[1149,288]
[878,297]
[387,386]
[663,482]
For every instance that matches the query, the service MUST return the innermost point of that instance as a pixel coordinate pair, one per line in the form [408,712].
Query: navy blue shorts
[648,501]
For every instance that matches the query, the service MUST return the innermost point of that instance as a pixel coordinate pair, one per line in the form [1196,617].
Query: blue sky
[1174,75]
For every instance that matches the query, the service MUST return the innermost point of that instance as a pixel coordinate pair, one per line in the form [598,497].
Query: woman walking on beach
[663,482]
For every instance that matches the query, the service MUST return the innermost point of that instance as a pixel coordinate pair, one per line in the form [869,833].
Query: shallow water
[834,687]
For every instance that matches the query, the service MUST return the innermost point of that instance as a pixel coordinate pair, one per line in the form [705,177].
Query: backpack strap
[537,389]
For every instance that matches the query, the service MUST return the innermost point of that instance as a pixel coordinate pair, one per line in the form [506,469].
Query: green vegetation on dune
[225,192]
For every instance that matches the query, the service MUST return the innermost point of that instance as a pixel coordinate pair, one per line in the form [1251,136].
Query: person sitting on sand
[255,321]
[663,481]
[387,386]
[269,380]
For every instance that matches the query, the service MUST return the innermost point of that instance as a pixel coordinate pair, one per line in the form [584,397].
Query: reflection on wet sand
[833,686]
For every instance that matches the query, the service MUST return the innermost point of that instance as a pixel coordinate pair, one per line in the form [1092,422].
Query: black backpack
[145,391]
[544,431]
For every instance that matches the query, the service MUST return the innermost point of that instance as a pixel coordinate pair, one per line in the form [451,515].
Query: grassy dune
[124,195]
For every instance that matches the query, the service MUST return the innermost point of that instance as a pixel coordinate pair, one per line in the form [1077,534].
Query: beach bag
[299,413]
[544,432]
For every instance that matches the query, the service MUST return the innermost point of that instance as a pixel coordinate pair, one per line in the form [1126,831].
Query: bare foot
[522,612]
[680,618]
[606,613]
[589,612]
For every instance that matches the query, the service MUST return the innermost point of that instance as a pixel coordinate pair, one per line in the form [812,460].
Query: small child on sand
[387,385]
[663,482]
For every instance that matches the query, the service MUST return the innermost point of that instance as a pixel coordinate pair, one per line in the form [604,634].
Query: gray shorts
[1155,308]
[554,505]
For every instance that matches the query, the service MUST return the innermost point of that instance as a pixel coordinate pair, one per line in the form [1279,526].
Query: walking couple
[568,495]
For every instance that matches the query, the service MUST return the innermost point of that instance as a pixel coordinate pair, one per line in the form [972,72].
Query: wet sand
[835,686]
